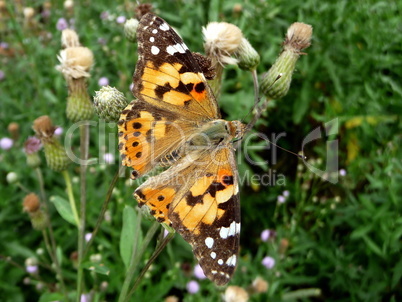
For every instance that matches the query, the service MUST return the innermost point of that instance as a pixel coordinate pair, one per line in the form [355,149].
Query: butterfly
[175,123]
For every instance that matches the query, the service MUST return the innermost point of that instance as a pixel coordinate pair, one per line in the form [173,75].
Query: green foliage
[339,241]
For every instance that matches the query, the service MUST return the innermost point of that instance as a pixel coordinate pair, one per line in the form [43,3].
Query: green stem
[103,210]
[71,196]
[156,253]
[135,257]
[84,145]
[52,247]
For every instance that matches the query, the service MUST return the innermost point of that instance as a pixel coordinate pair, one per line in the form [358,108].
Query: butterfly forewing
[167,75]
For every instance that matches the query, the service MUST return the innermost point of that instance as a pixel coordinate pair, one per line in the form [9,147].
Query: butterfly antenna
[300,156]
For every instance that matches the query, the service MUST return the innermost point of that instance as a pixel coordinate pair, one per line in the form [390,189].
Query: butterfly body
[175,123]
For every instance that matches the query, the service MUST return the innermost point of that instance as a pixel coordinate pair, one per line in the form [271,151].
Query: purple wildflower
[268,262]
[58,131]
[193,287]
[32,145]
[6,143]
[199,273]
[61,24]
[108,158]
[104,15]
[32,269]
[103,81]
[281,199]
[265,235]
[342,172]
[2,75]
[121,19]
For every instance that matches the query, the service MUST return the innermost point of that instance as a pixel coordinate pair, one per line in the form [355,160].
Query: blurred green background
[330,241]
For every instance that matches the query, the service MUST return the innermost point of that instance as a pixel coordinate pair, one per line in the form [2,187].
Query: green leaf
[50,297]
[98,268]
[127,234]
[396,276]
[64,208]
[372,246]
[360,232]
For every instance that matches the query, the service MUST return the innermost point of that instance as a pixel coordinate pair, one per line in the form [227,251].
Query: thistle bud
[235,293]
[247,56]
[39,220]
[109,103]
[75,63]
[31,203]
[130,29]
[56,156]
[276,82]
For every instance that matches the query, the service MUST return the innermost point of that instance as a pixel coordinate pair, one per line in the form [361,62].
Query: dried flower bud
[298,37]
[142,9]
[69,6]
[28,12]
[69,38]
[172,299]
[235,294]
[109,103]
[130,29]
[43,127]
[14,130]
[259,286]
[276,82]
[247,56]
[31,203]
[283,246]
[75,62]
[221,40]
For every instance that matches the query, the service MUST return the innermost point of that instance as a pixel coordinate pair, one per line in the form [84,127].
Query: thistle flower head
[31,203]
[56,156]
[130,29]
[221,40]
[259,285]
[43,127]
[69,38]
[298,37]
[28,12]
[75,62]
[109,103]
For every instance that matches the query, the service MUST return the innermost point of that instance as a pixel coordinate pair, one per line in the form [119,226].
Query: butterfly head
[236,129]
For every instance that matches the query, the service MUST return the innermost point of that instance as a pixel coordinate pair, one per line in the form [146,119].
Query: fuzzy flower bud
[75,65]
[221,41]
[247,56]
[130,29]
[259,285]
[276,81]
[235,294]
[31,203]
[69,38]
[109,103]
[56,156]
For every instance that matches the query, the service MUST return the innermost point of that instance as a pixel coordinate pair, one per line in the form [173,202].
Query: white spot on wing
[154,31]
[213,255]
[152,39]
[220,261]
[214,272]
[209,242]
[224,232]
[231,260]
[172,49]
[154,50]
[164,27]
[232,230]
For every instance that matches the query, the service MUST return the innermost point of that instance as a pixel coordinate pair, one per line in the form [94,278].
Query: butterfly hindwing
[202,205]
